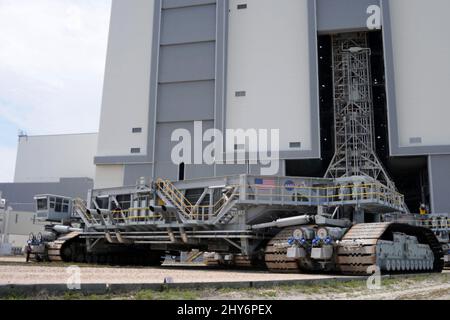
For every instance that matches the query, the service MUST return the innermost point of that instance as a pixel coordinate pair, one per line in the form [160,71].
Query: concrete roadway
[16,271]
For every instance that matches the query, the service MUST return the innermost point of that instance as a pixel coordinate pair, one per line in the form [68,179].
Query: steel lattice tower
[355,153]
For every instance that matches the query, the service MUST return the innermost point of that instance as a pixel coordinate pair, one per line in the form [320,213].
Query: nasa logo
[289,185]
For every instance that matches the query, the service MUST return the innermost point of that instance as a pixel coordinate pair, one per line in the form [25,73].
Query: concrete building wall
[18,228]
[183,55]
[343,15]
[127,79]
[109,176]
[180,60]
[421,51]
[49,158]
[18,241]
[439,172]
[269,60]
[23,223]
[20,196]
[186,87]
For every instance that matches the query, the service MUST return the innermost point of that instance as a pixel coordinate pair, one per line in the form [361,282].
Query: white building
[54,164]
[266,64]
[52,157]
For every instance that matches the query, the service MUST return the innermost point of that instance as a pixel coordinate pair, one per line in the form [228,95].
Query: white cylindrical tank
[143,208]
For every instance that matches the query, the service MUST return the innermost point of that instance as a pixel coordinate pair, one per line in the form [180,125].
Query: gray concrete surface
[18,277]
[36,274]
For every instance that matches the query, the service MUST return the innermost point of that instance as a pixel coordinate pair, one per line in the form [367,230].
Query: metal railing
[246,192]
[434,222]
[190,211]
[79,207]
[135,215]
[375,193]
[176,197]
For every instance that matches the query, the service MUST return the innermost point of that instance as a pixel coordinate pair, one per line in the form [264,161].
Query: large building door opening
[409,174]
[411,177]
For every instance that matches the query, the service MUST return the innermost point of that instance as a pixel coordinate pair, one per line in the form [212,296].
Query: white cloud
[74,18]
[52,58]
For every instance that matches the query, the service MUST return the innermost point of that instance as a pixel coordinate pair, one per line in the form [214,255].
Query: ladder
[79,207]
[194,255]
[168,192]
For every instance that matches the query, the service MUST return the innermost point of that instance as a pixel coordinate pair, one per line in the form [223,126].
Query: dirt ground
[428,287]
[423,287]
[16,271]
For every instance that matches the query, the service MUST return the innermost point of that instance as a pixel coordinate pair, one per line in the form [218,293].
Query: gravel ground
[434,287]
[20,273]
[13,259]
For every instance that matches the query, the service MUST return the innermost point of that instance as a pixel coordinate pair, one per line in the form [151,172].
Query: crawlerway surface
[434,286]
[423,287]
[17,272]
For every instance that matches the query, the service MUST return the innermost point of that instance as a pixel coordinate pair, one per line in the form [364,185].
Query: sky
[52,61]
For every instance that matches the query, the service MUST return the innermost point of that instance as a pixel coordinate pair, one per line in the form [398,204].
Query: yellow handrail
[184,204]
[166,187]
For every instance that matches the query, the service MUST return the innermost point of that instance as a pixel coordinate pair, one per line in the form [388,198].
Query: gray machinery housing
[282,223]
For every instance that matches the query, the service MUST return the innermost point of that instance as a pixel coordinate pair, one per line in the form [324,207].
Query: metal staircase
[194,255]
[219,212]
[228,216]
[80,208]
[171,195]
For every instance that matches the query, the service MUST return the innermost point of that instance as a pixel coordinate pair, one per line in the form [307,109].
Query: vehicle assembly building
[272,65]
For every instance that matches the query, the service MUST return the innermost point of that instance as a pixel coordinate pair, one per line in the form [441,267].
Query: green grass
[305,289]
[81,296]
[348,288]
[170,294]
[15,296]
[329,286]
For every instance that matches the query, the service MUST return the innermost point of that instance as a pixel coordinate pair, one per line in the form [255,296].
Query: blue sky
[52,60]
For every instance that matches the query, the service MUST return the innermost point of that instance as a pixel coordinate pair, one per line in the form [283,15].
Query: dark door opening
[181,172]
[410,175]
